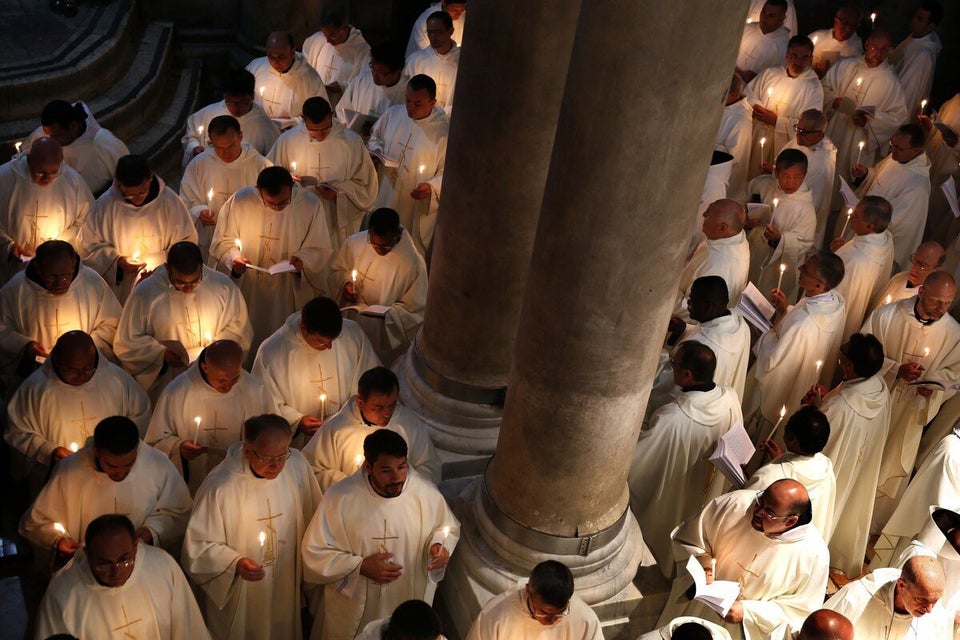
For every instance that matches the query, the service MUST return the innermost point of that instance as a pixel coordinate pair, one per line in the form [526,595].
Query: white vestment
[666,632]
[734,137]
[868,604]
[815,473]
[728,258]
[153,495]
[221,415]
[397,280]
[30,214]
[441,67]
[507,617]
[796,219]
[336,450]
[787,354]
[418,34]
[281,95]
[879,90]
[411,144]
[271,237]
[30,313]
[671,477]
[340,161]
[774,89]
[46,412]
[259,131]
[867,261]
[827,49]
[759,51]
[790,22]
[932,543]
[208,182]
[366,97]
[233,509]
[898,288]
[354,522]
[337,63]
[93,155]
[117,228]
[155,602]
[907,188]
[782,577]
[905,339]
[729,339]
[821,176]
[715,187]
[944,165]
[859,415]
[296,374]
[915,60]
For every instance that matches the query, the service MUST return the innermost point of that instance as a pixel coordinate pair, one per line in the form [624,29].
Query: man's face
[439,35]
[876,50]
[933,302]
[111,556]
[379,408]
[799,59]
[387,475]
[238,105]
[900,149]
[319,131]
[922,264]
[807,132]
[227,145]
[857,222]
[920,24]
[336,35]
[63,135]
[185,282]
[277,202]
[136,194]
[117,466]
[771,18]
[56,274]
[281,57]
[267,455]
[698,307]
[383,244]
[419,103]
[542,612]
[713,227]
[845,24]
[221,378]
[770,514]
[455,9]
[316,341]
[77,367]
[917,600]
[384,76]
[44,172]
[791,178]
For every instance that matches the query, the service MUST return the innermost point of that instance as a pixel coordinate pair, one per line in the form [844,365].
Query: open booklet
[359,123]
[949,188]
[734,449]
[376,310]
[756,309]
[850,198]
[387,162]
[280,267]
[719,595]
[759,211]
[285,123]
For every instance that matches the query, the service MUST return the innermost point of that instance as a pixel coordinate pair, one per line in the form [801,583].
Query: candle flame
[208,337]
[135,256]
[60,528]
[261,91]
[17,146]
[849,212]
[926,351]
[197,420]
[770,92]
[859,81]
[293,166]
[783,411]
[239,244]
[358,459]
[200,130]
[873,17]
[923,105]
[814,39]
[422,167]
[860,144]
[763,141]
[819,365]
[749,20]
[783,267]
[323,397]
[74,447]
[263,535]
[353,274]
[889,299]
[776,201]
[210,194]
[446,532]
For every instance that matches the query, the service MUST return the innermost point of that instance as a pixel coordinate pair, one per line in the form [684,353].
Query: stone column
[640,111]
[509,89]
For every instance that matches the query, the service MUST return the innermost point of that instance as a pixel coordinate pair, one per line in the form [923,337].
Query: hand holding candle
[923,105]
[323,406]
[843,233]
[763,143]
[860,146]
[196,434]
[783,269]
[783,412]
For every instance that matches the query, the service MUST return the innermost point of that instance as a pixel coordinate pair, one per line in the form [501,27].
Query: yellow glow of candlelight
[197,420]
[446,532]
[323,397]
[208,337]
[422,167]
[135,256]
[819,365]
[210,195]
[763,141]
[263,535]
[926,351]
[923,105]
[873,17]
[261,91]
[200,130]
[783,267]
[770,92]
[783,411]
[749,20]
[776,201]
[859,82]
[74,447]
[293,166]
[814,39]
[358,459]
[17,146]
[239,245]
[60,528]
[353,275]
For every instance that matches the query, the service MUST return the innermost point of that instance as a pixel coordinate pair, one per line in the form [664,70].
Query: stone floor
[29,28]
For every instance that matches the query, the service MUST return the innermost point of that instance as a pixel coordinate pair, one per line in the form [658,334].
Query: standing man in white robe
[239,88]
[867,259]
[890,604]
[55,294]
[859,413]
[227,165]
[928,258]
[87,147]
[864,102]
[939,539]
[201,413]
[52,414]
[337,162]
[778,244]
[778,95]
[413,138]
[116,473]
[764,42]
[801,336]
[284,79]
[41,198]
[903,178]
[312,364]
[131,226]
[688,628]
[546,607]
[375,89]
[376,538]
[252,582]
[766,542]
[335,452]
[944,154]
[181,308]
[821,165]
[842,41]
[457,9]
[337,52]
[270,224]
[116,584]
[439,60]
[389,273]
[671,477]
[735,136]
[920,340]
[915,59]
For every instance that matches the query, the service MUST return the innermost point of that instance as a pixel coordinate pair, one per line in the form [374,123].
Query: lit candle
[74,447]
[353,276]
[446,534]
[783,268]
[763,142]
[263,538]
[17,146]
[200,132]
[776,201]
[358,460]
[323,406]
[239,245]
[845,224]
[293,166]
[873,19]
[420,173]
[783,412]
[210,197]
[819,366]
[859,82]
[860,146]
[926,351]
[770,92]
[208,338]
[196,434]
[814,39]
[749,20]
[261,92]
[59,528]
[923,105]
[889,299]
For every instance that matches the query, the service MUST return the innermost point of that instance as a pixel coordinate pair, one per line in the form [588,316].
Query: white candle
[873,19]
[353,276]
[59,528]
[923,105]
[845,224]
[210,198]
[293,166]
[196,434]
[889,299]
[358,460]
[323,406]
[17,146]
[814,40]
[263,538]
[74,447]
[420,173]
[783,268]
[783,412]
[819,366]
[763,142]
[859,150]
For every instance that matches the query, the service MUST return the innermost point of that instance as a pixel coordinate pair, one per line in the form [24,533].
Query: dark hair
[811,429]
[691,631]
[316,109]
[223,124]
[377,380]
[553,582]
[133,170]
[384,442]
[865,353]
[800,41]
[256,426]
[274,179]
[333,17]
[322,315]
[239,82]
[698,359]
[443,17]
[711,289]
[878,212]
[388,53]
[830,268]
[185,257]
[789,158]
[117,435]
[413,620]
[109,523]
[935,9]
[384,222]
[915,132]
[62,113]
[423,82]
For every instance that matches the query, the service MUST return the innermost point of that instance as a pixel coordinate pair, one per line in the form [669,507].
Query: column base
[463,421]
[618,579]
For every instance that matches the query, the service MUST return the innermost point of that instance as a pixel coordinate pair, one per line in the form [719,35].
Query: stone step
[79,69]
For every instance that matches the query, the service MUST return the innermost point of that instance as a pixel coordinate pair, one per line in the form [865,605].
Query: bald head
[280,51]
[791,492]
[723,219]
[825,624]
[44,160]
[927,259]
[935,295]
[879,37]
[919,587]
[280,40]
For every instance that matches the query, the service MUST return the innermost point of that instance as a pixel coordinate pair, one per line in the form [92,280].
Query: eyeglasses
[920,265]
[270,459]
[804,132]
[543,615]
[103,568]
[188,285]
[766,512]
